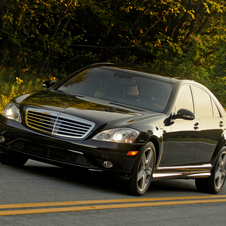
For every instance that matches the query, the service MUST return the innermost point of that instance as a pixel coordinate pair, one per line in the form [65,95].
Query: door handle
[221,124]
[196,126]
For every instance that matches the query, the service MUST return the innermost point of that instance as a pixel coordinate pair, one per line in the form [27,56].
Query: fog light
[2,139]
[107,164]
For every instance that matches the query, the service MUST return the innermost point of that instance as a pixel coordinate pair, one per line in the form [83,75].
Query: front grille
[59,124]
[41,121]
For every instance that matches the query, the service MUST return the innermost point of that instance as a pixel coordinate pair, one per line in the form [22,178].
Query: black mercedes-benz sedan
[134,125]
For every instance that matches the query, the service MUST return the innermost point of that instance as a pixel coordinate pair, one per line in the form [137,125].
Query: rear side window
[216,112]
[203,105]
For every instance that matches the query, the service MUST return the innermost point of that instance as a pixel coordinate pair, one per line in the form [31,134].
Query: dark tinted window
[184,99]
[119,86]
[203,105]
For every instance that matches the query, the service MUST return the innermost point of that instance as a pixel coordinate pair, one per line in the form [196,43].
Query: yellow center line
[117,204]
[85,202]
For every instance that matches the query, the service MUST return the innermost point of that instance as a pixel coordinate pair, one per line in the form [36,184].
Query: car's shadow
[101,182]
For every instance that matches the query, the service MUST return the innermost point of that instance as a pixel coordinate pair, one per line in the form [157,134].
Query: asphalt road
[45,195]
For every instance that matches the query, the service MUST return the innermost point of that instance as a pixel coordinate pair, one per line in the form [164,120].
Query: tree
[50,36]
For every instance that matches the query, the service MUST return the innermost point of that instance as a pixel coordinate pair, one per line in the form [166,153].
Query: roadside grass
[12,85]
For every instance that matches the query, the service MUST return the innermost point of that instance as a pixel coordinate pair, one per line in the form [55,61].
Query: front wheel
[215,182]
[143,171]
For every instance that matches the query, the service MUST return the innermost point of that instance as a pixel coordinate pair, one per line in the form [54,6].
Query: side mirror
[48,84]
[184,114]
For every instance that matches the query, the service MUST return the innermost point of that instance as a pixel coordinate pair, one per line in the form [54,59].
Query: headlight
[12,112]
[117,135]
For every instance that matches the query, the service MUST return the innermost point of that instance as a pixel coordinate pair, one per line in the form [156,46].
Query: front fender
[155,135]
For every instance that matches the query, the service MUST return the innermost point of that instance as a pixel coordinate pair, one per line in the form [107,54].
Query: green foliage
[44,36]
[49,38]
[11,86]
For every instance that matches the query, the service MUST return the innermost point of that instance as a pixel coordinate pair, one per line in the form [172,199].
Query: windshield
[122,87]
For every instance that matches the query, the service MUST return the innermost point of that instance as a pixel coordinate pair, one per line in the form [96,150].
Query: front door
[182,136]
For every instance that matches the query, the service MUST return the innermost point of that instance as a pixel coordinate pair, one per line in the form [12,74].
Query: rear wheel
[143,171]
[13,160]
[215,182]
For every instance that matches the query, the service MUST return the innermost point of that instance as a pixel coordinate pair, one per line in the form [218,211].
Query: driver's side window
[184,99]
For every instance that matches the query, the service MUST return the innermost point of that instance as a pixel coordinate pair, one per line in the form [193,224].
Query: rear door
[210,125]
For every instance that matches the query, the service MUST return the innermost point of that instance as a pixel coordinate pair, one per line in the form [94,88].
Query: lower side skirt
[183,172]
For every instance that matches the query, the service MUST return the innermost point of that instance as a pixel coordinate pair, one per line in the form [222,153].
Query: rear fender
[221,143]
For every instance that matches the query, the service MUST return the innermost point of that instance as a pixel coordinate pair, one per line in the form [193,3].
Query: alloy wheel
[220,173]
[145,169]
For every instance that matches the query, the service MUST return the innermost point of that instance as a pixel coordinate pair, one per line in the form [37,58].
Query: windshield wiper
[70,94]
[125,105]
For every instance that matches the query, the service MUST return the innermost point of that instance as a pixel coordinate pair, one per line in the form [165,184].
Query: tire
[143,171]
[215,182]
[13,160]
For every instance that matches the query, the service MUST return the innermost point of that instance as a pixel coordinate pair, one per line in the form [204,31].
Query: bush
[11,85]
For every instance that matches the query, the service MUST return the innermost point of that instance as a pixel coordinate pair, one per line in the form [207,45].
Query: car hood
[102,112]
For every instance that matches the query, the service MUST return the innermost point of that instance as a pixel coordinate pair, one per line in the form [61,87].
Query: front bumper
[88,153]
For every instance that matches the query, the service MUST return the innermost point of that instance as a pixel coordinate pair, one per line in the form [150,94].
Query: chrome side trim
[160,175]
[197,171]
[200,175]
[185,167]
